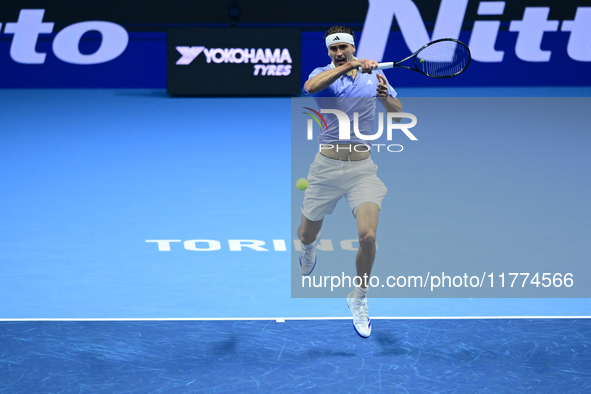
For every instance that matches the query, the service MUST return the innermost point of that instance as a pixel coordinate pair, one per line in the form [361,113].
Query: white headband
[339,37]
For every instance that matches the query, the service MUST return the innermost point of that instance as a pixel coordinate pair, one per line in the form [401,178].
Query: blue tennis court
[109,198]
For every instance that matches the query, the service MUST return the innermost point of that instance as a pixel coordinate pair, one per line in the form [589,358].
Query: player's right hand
[366,65]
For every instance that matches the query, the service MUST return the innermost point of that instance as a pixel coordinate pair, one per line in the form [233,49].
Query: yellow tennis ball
[422,60]
[302,184]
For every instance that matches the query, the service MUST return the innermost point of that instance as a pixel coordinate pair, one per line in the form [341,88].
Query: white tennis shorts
[330,180]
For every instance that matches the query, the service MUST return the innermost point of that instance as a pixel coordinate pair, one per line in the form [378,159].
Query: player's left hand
[382,89]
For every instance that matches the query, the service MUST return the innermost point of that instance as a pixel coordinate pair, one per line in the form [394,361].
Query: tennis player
[344,168]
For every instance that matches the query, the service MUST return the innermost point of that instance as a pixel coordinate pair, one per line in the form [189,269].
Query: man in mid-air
[344,168]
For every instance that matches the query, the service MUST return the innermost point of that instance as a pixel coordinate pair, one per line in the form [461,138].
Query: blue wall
[143,64]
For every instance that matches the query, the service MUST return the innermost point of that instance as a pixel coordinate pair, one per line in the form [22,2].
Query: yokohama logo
[233,55]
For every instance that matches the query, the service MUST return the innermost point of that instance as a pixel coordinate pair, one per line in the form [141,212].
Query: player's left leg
[367,223]
[364,196]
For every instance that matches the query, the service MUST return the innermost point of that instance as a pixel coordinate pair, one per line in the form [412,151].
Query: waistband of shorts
[330,161]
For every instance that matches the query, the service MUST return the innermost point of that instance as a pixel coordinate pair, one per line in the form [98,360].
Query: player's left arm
[391,104]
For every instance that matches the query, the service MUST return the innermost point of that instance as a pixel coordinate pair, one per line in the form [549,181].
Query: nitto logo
[449,21]
[65,45]
[241,55]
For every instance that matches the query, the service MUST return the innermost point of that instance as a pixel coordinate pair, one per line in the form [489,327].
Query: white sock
[312,244]
[307,246]
[360,292]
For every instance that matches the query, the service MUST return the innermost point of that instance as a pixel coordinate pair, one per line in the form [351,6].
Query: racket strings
[443,59]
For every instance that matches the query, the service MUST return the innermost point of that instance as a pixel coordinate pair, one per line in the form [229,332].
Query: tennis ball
[302,184]
[422,60]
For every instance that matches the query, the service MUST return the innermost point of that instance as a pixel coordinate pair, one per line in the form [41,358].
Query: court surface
[89,176]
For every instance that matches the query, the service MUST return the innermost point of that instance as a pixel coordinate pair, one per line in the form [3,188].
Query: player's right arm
[326,78]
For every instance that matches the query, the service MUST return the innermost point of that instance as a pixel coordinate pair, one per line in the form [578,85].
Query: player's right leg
[309,234]
[320,199]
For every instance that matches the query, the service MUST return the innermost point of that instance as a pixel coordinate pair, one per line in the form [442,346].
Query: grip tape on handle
[383,66]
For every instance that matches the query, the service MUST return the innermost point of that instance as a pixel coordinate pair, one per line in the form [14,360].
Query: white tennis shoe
[361,320]
[308,257]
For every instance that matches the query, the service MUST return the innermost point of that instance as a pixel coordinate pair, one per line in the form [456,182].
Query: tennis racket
[443,58]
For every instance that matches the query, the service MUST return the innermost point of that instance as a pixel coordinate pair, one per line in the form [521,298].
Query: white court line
[284,319]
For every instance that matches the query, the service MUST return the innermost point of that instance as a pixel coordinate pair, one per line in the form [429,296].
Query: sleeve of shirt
[323,93]
[391,90]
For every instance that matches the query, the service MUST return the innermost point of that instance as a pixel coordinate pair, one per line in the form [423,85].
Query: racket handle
[383,66]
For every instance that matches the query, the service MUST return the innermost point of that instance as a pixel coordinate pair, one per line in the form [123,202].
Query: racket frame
[383,66]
